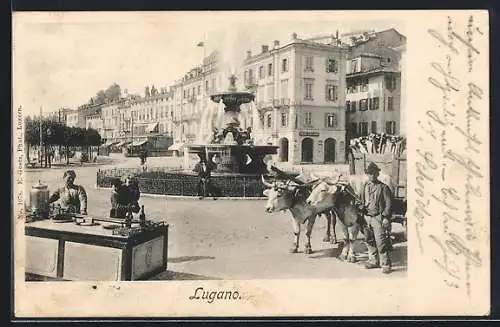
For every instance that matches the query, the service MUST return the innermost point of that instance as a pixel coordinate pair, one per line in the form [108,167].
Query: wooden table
[66,251]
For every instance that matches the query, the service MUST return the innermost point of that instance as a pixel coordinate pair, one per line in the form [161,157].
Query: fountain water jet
[232,144]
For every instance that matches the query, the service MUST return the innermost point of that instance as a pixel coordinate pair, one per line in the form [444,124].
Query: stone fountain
[231,146]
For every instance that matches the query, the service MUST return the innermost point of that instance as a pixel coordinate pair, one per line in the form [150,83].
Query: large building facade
[311,97]
[373,96]
[376,84]
[300,98]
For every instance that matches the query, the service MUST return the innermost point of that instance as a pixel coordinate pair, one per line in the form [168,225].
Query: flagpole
[41,135]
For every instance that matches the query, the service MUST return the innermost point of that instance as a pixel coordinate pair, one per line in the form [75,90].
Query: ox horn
[265,182]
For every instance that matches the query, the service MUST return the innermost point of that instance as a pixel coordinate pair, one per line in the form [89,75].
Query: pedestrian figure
[204,170]
[72,197]
[123,199]
[376,198]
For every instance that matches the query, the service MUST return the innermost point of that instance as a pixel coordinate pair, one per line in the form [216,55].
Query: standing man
[377,205]
[72,197]
[204,171]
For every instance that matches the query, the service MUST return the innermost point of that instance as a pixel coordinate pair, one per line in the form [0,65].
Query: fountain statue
[231,144]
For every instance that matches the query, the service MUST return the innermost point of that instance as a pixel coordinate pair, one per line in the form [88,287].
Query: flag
[200,44]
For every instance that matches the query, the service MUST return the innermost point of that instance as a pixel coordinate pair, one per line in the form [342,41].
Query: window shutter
[326,92]
[326,65]
[326,120]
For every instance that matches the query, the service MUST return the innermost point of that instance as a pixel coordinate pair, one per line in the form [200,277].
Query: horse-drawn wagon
[389,154]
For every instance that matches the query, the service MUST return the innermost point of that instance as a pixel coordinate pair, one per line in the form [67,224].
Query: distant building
[78,117]
[60,115]
[192,97]
[300,99]
[373,94]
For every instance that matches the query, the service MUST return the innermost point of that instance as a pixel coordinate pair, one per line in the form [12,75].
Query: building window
[308,119]
[331,120]
[390,127]
[245,78]
[308,89]
[347,106]
[284,119]
[250,76]
[353,106]
[364,85]
[353,129]
[390,103]
[261,72]
[309,64]
[199,89]
[374,127]
[374,103]
[331,65]
[355,66]
[269,120]
[390,82]
[363,129]
[269,69]
[206,86]
[184,94]
[331,92]
[284,65]
[213,84]
[363,105]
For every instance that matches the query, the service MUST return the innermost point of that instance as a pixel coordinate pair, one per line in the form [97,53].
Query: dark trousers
[378,242]
[204,187]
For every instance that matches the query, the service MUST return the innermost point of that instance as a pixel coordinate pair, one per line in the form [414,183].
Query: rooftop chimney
[265,48]
[294,36]
[249,54]
[276,44]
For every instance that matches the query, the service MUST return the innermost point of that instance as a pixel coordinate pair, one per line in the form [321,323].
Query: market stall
[67,246]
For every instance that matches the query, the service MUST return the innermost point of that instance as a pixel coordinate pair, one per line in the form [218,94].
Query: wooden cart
[392,165]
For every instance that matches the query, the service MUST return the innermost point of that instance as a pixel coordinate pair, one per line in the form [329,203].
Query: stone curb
[186,197]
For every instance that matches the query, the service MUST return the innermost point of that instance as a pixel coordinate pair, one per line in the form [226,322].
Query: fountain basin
[233,158]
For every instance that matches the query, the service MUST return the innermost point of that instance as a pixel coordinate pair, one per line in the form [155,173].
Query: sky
[63,59]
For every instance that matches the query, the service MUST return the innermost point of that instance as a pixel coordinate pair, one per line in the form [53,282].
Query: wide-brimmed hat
[372,168]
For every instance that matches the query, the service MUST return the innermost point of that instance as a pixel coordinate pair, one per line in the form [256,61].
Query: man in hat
[376,200]
[204,171]
[72,197]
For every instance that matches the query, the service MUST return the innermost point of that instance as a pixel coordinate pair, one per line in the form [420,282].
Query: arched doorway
[329,150]
[283,149]
[307,150]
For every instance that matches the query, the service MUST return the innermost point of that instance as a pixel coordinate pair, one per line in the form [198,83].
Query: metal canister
[39,198]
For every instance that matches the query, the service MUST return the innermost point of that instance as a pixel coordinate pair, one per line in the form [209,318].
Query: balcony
[281,103]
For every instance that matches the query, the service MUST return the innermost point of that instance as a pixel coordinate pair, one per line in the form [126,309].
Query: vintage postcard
[239,164]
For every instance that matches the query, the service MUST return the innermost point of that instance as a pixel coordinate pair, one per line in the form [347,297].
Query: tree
[100,97]
[113,92]
[55,133]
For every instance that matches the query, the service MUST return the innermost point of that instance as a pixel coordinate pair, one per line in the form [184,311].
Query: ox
[287,196]
[343,197]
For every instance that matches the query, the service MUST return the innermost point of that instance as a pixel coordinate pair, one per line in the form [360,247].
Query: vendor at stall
[123,198]
[72,197]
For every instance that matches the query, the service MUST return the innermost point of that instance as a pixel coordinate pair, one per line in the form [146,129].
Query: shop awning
[152,128]
[176,146]
[123,143]
[138,143]
[109,143]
